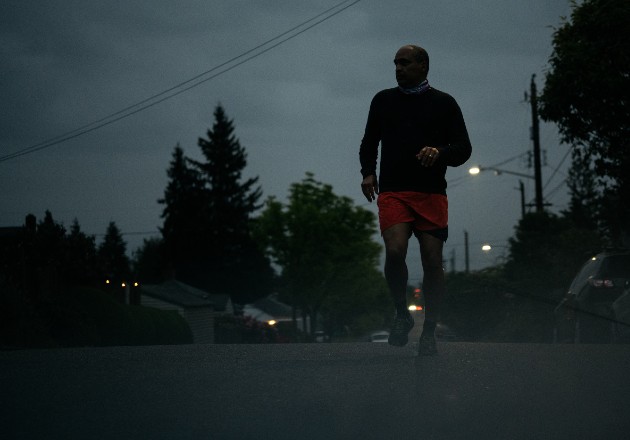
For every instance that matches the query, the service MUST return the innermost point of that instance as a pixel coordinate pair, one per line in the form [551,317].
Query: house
[199,308]
[269,309]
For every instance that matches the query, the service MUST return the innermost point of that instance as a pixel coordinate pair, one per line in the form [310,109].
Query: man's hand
[369,186]
[428,156]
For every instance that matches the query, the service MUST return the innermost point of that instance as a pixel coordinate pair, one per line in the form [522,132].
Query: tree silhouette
[207,217]
[184,212]
[149,264]
[81,266]
[231,202]
[587,93]
[112,255]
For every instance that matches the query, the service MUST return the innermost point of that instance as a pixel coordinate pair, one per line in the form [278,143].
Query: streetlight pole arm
[477,170]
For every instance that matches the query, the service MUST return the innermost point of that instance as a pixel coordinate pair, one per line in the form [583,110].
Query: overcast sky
[297,108]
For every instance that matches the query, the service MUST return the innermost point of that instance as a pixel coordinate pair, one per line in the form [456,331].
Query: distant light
[414,308]
[272,322]
[486,247]
[106,281]
[136,284]
[124,285]
[474,170]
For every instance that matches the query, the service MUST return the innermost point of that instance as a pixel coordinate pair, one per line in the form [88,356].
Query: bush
[484,306]
[20,324]
[82,316]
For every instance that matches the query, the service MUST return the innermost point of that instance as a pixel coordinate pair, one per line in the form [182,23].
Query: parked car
[379,336]
[586,312]
[321,336]
[621,310]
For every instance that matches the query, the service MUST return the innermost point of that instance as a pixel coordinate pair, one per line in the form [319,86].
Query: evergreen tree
[149,265]
[47,258]
[184,214]
[80,265]
[230,201]
[112,255]
[207,216]
[50,240]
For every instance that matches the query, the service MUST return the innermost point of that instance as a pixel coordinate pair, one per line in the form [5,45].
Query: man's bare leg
[396,243]
[433,286]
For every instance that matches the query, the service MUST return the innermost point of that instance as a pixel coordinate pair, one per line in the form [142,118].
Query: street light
[498,171]
[487,248]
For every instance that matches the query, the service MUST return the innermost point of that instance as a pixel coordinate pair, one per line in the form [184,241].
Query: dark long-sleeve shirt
[403,124]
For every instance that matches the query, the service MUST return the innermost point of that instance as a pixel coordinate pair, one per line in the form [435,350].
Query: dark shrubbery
[80,316]
[485,307]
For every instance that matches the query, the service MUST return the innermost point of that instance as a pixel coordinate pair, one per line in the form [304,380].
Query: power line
[557,168]
[518,156]
[194,82]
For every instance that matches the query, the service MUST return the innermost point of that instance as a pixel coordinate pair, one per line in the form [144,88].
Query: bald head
[412,65]
[419,54]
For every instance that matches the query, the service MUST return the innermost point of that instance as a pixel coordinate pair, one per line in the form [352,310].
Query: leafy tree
[587,93]
[546,252]
[207,216]
[325,249]
[582,210]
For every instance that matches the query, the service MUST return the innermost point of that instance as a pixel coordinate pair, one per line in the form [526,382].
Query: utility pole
[467,261]
[536,139]
[521,187]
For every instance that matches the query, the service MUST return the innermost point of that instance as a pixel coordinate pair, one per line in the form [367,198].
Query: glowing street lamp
[497,171]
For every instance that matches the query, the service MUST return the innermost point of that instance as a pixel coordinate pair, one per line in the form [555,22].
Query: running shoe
[427,345]
[398,336]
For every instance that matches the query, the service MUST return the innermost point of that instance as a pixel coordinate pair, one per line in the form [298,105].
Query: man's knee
[432,264]
[395,254]
[396,240]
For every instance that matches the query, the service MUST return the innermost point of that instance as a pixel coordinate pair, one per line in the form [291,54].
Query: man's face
[409,72]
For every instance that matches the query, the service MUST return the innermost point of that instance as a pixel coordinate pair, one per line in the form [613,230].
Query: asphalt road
[317,391]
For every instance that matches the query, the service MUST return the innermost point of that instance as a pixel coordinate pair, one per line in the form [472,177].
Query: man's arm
[458,149]
[368,155]
[369,186]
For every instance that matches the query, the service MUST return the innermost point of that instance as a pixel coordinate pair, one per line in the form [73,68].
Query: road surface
[317,391]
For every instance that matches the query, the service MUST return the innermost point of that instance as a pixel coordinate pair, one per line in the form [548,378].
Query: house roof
[176,292]
[270,306]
